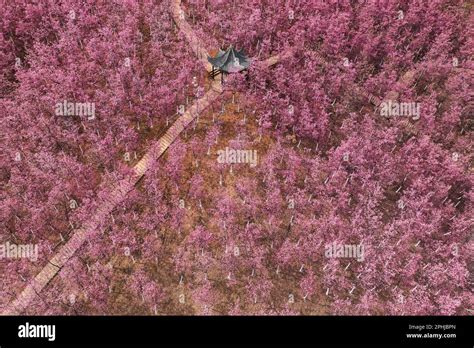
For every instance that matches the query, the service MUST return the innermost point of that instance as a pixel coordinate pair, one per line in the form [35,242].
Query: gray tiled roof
[230,60]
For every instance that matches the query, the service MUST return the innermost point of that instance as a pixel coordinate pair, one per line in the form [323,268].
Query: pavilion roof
[230,60]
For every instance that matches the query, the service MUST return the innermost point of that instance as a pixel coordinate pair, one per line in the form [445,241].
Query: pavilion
[228,62]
